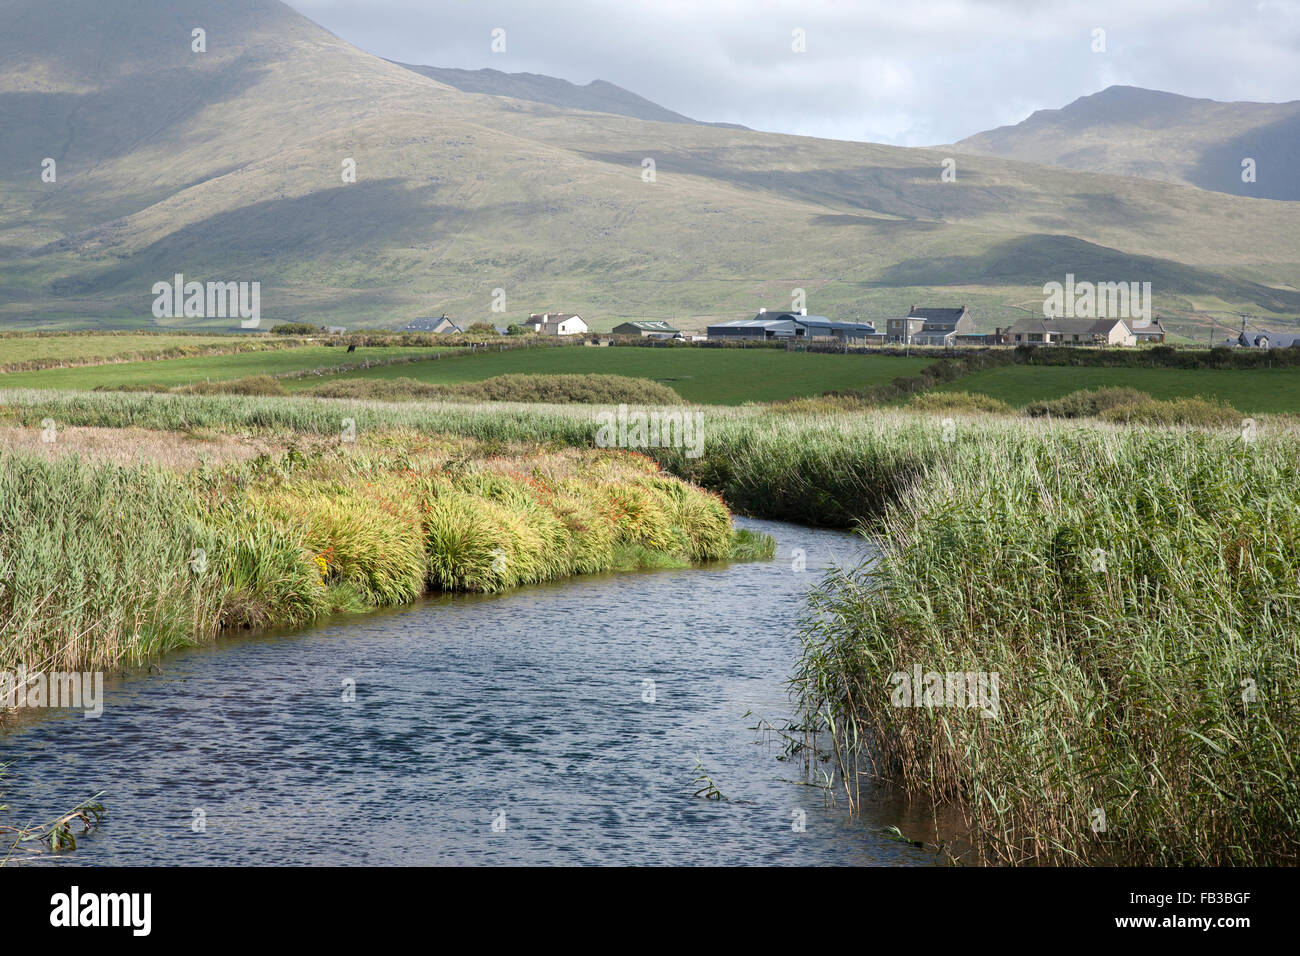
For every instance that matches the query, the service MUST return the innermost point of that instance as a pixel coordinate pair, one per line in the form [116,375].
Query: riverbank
[107,564]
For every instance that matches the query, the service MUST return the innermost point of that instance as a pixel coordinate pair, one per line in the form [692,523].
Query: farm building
[439,326]
[647,329]
[927,326]
[556,323]
[1155,332]
[1264,340]
[789,325]
[1071,332]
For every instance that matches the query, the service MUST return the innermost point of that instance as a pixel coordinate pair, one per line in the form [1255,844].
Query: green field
[1254,391]
[186,371]
[709,376]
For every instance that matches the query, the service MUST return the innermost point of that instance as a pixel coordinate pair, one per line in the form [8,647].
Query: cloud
[893,72]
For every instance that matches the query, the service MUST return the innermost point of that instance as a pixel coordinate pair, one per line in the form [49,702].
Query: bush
[1204,412]
[958,402]
[294,328]
[1085,403]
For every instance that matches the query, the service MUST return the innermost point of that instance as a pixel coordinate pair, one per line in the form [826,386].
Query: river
[518,728]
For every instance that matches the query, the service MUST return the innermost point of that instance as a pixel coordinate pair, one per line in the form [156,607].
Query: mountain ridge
[1154,134]
[598,96]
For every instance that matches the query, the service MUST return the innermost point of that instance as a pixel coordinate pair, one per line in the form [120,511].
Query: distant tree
[294,328]
[514,329]
[482,327]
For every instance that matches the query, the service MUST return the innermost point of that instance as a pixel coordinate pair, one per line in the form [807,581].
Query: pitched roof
[940,315]
[767,319]
[428,324]
[760,322]
[1276,340]
[1066,326]
[650,325]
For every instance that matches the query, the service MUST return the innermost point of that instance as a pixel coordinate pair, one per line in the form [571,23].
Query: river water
[508,729]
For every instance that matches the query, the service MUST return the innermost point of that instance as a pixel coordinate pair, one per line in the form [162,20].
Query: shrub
[294,328]
[1204,412]
[1085,403]
[959,402]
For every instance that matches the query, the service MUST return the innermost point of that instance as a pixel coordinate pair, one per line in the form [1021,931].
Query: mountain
[227,165]
[1129,131]
[597,96]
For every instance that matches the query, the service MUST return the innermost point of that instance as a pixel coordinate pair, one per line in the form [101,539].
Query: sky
[901,72]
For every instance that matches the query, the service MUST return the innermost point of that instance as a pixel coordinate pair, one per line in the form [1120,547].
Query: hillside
[226,165]
[1127,131]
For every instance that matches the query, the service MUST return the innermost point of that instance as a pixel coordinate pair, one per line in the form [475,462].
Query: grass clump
[958,402]
[97,565]
[1085,403]
[1195,411]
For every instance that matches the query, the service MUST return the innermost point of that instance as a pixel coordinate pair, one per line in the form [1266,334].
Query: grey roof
[428,324]
[939,315]
[649,325]
[789,320]
[1066,326]
[1276,340]
[754,323]
[817,321]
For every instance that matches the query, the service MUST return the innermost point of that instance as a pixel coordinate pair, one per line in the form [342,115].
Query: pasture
[167,373]
[708,376]
[1252,391]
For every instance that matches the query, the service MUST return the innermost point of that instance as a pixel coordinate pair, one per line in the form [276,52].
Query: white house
[1071,332]
[557,323]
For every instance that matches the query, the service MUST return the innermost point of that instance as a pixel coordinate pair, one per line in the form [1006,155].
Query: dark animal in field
[352,347]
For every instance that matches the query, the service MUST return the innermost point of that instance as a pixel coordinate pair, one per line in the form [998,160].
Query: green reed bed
[104,565]
[1137,592]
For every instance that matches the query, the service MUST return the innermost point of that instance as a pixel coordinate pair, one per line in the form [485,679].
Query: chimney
[762,310]
[803,311]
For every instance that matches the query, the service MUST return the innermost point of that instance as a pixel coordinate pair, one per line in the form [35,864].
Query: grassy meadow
[172,372]
[1251,391]
[20,352]
[708,376]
